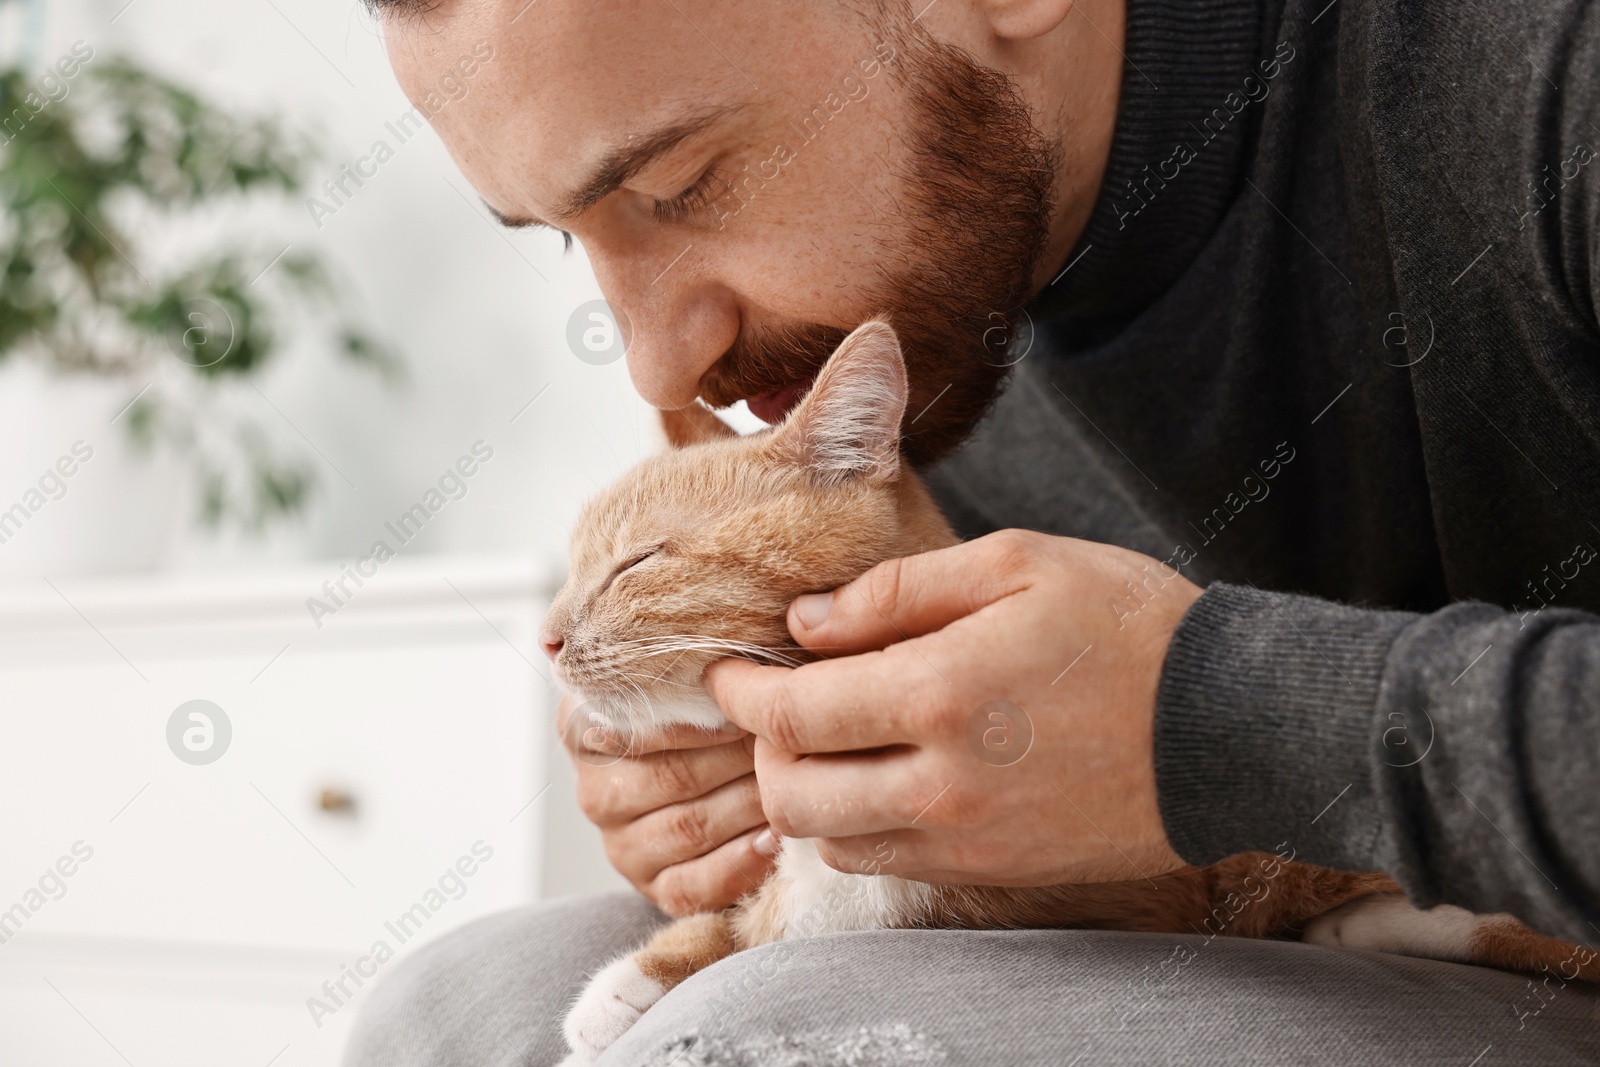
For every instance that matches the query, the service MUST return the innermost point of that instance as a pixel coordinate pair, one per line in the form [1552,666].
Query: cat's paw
[611,1003]
[1388,923]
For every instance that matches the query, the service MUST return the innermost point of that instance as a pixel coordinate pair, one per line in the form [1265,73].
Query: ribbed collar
[1183,59]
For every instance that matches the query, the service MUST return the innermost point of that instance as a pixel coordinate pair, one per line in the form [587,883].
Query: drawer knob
[336,801]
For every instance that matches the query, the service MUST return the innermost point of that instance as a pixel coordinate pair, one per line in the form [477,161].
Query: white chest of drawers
[385,780]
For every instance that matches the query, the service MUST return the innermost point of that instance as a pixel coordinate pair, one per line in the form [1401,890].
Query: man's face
[751,181]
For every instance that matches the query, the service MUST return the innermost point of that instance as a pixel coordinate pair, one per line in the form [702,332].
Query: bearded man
[1291,499]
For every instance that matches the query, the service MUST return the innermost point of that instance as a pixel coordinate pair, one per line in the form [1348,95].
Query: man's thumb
[899,599]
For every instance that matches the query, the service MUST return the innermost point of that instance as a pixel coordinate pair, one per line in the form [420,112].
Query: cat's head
[695,554]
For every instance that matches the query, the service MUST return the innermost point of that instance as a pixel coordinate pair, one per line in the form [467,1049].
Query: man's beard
[979,198]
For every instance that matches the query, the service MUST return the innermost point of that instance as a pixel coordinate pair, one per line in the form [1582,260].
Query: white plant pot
[119,510]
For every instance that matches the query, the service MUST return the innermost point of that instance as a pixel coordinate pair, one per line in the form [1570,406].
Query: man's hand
[900,757]
[679,811]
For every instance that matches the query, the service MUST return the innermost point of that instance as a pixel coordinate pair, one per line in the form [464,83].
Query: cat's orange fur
[727,531]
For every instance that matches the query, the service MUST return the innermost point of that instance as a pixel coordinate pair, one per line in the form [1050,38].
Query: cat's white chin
[629,714]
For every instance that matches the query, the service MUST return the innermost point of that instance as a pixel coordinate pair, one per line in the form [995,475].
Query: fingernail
[812,609]
[766,842]
[730,728]
[603,742]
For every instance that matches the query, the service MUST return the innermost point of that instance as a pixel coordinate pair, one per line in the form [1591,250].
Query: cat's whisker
[661,645]
[629,703]
[654,680]
[678,637]
[760,656]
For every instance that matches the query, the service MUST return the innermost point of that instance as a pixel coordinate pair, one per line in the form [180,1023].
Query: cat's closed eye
[628,564]
[639,558]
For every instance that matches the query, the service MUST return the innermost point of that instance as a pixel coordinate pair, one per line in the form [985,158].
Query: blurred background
[291,435]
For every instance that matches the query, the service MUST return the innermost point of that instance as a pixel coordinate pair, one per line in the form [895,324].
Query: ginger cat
[695,554]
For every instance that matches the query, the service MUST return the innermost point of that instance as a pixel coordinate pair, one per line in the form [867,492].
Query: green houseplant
[96,150]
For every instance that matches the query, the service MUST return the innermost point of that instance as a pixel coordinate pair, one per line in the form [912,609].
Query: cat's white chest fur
[821,900]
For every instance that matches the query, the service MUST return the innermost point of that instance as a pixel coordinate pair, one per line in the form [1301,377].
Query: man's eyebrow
[620,164]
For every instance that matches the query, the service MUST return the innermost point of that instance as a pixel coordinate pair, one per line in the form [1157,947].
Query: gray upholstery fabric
[492,992]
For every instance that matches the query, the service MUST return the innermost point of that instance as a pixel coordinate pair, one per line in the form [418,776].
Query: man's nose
[679,322]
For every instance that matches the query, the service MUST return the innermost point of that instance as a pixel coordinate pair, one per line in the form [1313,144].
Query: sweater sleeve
[1459,751]
[1575,168]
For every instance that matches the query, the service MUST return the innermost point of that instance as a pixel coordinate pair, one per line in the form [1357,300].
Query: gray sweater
[1329,346]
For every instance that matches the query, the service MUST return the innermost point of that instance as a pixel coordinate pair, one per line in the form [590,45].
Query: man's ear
[692,425]
[1023,20]
[848,426]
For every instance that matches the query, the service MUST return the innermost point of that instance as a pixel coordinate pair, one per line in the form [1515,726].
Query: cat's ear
[692,425]
[848,426]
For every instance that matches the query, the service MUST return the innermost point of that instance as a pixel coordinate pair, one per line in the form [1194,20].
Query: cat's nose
[551,643]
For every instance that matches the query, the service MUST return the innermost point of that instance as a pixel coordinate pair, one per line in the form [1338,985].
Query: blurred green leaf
[77,293]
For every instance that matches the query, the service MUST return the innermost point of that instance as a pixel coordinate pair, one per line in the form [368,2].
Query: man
[1302,304]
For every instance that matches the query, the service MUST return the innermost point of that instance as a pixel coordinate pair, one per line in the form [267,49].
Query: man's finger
[905,598]
[678,833]
[869,701]
[714,881]
[867,794]
[892,852]
[619,792]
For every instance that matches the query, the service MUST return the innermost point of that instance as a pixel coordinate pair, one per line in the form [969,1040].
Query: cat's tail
[1258,895]
[1370,912]
[1253,894]
[1390,923]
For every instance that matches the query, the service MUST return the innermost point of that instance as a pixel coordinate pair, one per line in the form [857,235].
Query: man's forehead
[568,86]
[547,42]
[564,43]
